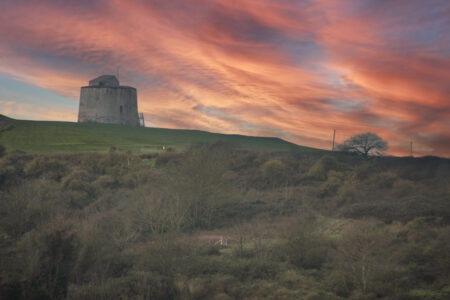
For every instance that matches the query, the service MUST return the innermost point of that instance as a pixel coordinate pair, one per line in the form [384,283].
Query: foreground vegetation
[57,137]
[298,225]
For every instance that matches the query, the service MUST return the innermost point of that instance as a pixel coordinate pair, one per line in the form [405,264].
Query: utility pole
[410,148]
[334,136]
[118,73]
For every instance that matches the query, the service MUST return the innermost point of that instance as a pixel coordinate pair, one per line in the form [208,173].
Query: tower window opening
[121,109]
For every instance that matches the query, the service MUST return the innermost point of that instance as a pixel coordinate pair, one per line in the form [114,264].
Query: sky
[294,69]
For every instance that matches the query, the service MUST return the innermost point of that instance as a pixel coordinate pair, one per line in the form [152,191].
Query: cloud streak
[295,69]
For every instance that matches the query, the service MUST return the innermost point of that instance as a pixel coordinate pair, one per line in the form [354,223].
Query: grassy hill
[51,137]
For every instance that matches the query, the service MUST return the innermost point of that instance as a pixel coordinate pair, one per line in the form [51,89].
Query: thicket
[299,226]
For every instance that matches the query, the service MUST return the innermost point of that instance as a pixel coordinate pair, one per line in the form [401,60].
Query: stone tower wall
[107,104]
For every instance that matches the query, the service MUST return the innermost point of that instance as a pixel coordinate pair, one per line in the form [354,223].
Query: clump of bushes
[274,172]
[403,187]
[2,150]
[319,170]
[45,167]
[385,180]
[306,247]
[364,171]
[106,181]
[334,181]
[347,193]
[251,269]
[136,285]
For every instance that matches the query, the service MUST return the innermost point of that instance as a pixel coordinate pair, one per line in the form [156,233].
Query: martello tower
[105,101]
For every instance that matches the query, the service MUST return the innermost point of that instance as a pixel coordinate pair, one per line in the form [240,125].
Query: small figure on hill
[365,144]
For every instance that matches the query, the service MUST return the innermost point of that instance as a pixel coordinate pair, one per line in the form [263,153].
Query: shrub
[146,175]
[311,253]
[29,206]
[363,261]
[2,150]
[114,164]
[274,171]
[78,188]
[306,248]
[90,163]
[252,269]
[46,167]
[241,161]
[112,149]
[364,171]
[423,294]
[106,181]
[137,285]
[48,260]
[11,168]
[365,210]
[211,250]
[334,181]
[319,170]
[403,187]
[7,174]
[164,158]
[385,179]
[77,175]
[347,193]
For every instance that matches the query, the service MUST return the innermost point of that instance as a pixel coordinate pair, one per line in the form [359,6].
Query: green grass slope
[51,137]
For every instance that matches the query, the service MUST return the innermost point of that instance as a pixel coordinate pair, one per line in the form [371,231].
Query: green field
[52,137]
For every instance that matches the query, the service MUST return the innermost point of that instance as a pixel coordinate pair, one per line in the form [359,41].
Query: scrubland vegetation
[298,225]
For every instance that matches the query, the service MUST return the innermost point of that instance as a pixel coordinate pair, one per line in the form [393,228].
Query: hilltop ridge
[53,136]
[4,119]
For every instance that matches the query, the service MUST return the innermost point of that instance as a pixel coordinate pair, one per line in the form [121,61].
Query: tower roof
[104,80]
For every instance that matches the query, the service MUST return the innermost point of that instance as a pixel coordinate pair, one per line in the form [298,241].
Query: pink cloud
[296,70]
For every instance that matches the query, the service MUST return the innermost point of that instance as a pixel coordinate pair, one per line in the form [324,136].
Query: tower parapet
[104,80]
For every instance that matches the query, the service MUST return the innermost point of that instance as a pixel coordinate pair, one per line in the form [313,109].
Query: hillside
[297,225]
[213,222]
[52,137]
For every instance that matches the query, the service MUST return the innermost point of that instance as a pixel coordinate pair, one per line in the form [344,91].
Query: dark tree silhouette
[365,144]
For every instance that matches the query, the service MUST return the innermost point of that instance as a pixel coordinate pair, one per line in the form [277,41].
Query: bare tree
[365,144]
[364,258]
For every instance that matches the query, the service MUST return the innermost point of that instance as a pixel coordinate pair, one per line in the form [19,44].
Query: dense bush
[45,167]
[2,150]
[138,285]
[306,247]
[298,226]
[385,180]
[334,181]
[319,170]
[274,171]
[403,187]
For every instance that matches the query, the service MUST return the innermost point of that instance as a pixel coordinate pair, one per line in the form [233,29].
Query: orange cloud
[35,112]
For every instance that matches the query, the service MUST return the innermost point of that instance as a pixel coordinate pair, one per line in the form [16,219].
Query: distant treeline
[299,225]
